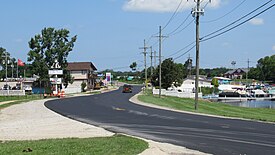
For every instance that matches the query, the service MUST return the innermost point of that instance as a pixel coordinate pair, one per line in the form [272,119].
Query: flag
[20,63]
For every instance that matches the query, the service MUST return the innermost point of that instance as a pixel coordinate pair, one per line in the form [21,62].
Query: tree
[47,47]
[133,66]
[265,70]
[171,73]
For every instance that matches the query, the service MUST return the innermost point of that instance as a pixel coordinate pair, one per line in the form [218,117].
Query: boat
[271,92]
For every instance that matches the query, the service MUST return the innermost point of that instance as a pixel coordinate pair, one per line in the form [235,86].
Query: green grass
[115,145]
[12,98]
[17,99]
[212,108]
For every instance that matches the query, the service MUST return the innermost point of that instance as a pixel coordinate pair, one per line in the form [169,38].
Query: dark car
[6,87]
[127,88]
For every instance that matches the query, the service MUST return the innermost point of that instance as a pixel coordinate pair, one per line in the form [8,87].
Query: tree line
[174,73]
[45,48]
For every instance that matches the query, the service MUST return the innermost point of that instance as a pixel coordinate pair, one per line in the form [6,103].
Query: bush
[207,90]
[83,86]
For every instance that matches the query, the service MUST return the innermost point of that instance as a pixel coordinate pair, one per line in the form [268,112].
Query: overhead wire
[185,52]
[169,21]
[191,42]
[202,39]
[237,19]
[174,14]
[235,8]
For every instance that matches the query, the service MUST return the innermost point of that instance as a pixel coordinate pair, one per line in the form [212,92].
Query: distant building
[223,80]
[239,73]
[81,72]
[188,84]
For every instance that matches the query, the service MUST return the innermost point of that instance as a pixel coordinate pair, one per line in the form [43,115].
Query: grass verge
[115,145]
[17,100]
[213,108]
[12,98]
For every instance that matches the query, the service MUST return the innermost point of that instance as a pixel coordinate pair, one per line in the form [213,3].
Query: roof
[201,78]
[222,78]
[73,66]
[235,71]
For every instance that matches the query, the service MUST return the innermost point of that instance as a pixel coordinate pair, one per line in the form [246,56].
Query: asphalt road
[114,112]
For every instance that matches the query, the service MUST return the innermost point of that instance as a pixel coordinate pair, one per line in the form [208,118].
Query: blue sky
[110,32]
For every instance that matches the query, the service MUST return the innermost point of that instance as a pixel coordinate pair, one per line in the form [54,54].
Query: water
[255,104]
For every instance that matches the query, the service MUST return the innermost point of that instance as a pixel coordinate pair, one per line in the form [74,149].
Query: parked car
[15,88]
[127,88]
[6,87]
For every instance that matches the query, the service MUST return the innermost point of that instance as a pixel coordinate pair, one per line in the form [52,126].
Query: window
[84,72]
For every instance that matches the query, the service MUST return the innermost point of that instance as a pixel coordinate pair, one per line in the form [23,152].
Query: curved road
[114,112]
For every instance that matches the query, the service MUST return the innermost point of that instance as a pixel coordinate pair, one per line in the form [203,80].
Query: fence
[176,93]
[12,92]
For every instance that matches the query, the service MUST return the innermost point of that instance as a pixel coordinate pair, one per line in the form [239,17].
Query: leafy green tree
[265,70]
[133,66]
[171,73]
[47,47]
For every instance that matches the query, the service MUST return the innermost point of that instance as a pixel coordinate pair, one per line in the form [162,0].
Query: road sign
[55,80]
[55,72]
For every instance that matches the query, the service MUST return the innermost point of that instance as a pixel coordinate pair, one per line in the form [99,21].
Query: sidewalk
[33,121]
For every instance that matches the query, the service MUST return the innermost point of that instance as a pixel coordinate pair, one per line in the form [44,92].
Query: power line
[185,52]
[174,32]
[237,20]
[182,49]
[202,39]
[169,21]
[174,14]
[235,8]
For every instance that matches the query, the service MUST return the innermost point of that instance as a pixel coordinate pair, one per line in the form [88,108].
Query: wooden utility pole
[145,67]
[160,40]
[189,68]
[247,71]
[151,56]
[196,13]
[155,59]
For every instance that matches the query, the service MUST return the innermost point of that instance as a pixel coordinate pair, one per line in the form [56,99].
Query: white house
[188,84]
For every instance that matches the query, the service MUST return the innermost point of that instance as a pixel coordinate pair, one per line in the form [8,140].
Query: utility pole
[12,66]
[189,65]
[145,67]
[247,71]
[155,59]
[151,56]
[160,40]
[196,13]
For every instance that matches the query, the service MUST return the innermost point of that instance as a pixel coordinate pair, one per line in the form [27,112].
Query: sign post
[56,70]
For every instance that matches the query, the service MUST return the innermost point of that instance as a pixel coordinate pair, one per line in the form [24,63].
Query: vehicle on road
[127,88]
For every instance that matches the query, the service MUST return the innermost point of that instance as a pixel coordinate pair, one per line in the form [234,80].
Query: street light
[6,62]
[12,66]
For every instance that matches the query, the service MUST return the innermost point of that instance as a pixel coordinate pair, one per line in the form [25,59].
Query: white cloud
[273,47]
[163,5]
[257,21]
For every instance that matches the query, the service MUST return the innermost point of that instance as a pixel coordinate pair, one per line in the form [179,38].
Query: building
[188,84]
[239,73]
[81,72]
